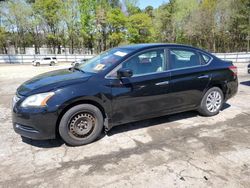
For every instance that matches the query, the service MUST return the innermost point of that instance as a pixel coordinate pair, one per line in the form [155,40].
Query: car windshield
[104,60]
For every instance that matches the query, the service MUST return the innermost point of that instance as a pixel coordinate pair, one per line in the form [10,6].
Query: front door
[145,94]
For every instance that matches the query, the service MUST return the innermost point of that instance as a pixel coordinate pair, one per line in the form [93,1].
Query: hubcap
[81,125]
[213,102]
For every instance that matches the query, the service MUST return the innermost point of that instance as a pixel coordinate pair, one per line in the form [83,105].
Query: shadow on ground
[246,83]
[122,128]
[44,143]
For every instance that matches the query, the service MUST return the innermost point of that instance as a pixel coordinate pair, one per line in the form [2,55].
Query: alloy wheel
[213,102]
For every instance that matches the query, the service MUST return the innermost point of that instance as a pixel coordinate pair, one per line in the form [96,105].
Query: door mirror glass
[124,73]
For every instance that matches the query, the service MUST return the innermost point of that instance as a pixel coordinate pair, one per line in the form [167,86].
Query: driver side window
[146,63]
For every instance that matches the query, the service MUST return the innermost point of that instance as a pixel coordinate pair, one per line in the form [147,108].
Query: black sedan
[124,84]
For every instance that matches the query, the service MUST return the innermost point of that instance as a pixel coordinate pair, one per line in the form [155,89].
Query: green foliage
[3,39]
[149,11]
[162,20]
[140,28]
[49,10]
[87,18]
[132,7]
[117,23]
[101,24]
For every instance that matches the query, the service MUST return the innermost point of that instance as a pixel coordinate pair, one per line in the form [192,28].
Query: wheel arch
[220,85]
[75,103]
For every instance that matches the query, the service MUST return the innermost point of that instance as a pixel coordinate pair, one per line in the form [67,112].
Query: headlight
[38,100]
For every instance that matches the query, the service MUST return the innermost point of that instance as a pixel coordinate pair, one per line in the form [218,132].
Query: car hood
[52,80]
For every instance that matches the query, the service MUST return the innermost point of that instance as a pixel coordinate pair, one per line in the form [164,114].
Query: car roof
[155,45]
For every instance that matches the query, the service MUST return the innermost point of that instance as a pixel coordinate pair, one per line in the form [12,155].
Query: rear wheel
[37,64]
[211,102]
[82,124]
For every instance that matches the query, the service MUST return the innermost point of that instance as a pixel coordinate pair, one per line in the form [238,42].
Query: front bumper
[38,124]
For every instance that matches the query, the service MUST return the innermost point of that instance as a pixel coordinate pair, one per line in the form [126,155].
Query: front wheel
[211,102]
[82,124]
[52,63]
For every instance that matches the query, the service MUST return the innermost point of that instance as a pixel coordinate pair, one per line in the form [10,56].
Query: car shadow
[150,122]
[156,121]
[122,128]
[225,106]
[44,143]
[246,83]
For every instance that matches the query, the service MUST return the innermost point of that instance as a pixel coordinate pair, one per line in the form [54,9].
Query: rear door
[189,78]
[145,94]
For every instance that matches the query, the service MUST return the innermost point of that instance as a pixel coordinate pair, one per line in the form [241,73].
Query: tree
[17,21]
[149,11]
[240,25]
[87,17]
[131,7]
[50,12]
[70,16]
[140,28]
[117,26]
[163,22]
[3,40]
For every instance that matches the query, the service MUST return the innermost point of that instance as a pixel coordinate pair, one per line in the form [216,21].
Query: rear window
[46,58]
[205,58]
[53,57]
[183,58]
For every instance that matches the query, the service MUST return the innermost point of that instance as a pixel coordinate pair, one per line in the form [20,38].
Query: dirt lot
[183,150]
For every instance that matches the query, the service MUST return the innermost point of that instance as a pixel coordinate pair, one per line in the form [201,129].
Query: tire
[248,71]
[37,64]
[212,102]
[81,124]
[52,63]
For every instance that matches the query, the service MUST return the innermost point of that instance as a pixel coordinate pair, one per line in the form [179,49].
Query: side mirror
[124,73]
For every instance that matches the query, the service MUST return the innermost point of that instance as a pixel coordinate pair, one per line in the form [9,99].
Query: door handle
[203,76]
[162,83]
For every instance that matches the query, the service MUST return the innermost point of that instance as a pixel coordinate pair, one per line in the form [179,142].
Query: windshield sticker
[121,54]
[99,67]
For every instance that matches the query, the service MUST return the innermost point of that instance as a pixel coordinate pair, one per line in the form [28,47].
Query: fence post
[9,58]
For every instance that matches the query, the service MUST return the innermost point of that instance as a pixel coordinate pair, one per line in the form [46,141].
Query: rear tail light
[234,70]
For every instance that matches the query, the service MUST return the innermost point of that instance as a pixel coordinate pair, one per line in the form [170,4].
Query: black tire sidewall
[203,107]
[52,63]
[37,64]
[63,126]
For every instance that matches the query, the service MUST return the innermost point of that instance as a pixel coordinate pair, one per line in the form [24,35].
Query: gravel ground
[182,150]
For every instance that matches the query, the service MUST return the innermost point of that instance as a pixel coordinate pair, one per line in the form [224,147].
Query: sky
[154,3]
